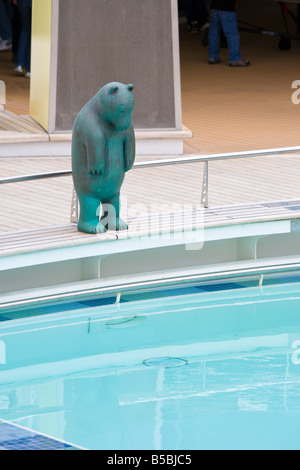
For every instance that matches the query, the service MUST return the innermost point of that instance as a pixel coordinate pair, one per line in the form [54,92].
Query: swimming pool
[204,367]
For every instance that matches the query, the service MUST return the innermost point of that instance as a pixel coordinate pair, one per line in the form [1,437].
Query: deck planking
[227,110]
[52,237]
[43,203]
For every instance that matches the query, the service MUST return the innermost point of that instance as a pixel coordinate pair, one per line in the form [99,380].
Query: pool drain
[166,362]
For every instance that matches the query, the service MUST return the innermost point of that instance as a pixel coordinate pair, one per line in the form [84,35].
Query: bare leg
[89,215]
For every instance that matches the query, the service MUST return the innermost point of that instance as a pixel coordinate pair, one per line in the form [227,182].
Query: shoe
[240,63]
[19,69]
[203,27]
[6,45]
[193,27]
[214,61]
[27,75]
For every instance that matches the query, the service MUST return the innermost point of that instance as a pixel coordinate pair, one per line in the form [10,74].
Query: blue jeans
[5,21]
[228,21]
[23,55]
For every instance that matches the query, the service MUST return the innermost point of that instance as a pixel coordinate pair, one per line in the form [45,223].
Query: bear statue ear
[113,90]
[130,87]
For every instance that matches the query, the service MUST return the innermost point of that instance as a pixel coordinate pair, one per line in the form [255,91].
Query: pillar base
[161,142]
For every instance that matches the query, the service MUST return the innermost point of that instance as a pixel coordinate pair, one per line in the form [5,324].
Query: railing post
[74,208]
[204,197]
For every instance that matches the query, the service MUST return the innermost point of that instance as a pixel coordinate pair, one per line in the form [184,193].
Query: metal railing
[170,161]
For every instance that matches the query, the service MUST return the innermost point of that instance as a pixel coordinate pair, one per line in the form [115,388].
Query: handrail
[38,176]
[164,162]
[217,156]
[170,161]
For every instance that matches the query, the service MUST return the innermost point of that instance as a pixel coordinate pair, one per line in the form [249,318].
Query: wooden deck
[44,203]
[16,128]
[151,224]
[226,109]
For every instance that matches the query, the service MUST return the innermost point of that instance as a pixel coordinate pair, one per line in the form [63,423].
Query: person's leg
[28,27]
[16,30]
[191,15]
[24,46]
[5,22]
[229,24]
[9,8]
[189,11]
[214,32]
[202,13]
[5,27]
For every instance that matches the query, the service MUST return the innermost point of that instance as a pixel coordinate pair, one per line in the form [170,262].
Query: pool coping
[230,219]
[54,247]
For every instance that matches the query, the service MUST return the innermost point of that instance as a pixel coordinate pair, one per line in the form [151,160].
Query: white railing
[166,162]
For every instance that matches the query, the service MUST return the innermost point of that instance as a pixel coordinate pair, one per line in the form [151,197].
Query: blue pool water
[197,369]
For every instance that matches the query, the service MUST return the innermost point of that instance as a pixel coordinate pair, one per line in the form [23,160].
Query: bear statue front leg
[89,215]
[111,215]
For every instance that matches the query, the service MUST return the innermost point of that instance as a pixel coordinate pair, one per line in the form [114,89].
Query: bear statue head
[116,102]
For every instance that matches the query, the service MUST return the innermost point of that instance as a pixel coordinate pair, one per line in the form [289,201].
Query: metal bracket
[204,197]
[74,207]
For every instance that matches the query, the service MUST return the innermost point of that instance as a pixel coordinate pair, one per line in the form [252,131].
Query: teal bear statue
[103,150]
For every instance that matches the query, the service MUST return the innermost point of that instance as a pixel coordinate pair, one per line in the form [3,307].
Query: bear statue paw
[121,225]
[97,171]
[114,224]
[89,227]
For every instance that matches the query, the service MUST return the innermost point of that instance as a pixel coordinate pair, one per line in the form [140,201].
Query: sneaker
[240,63]
[193,27]
[6,45]
[18,69]
[214,61]
[203,27]
[27,75]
